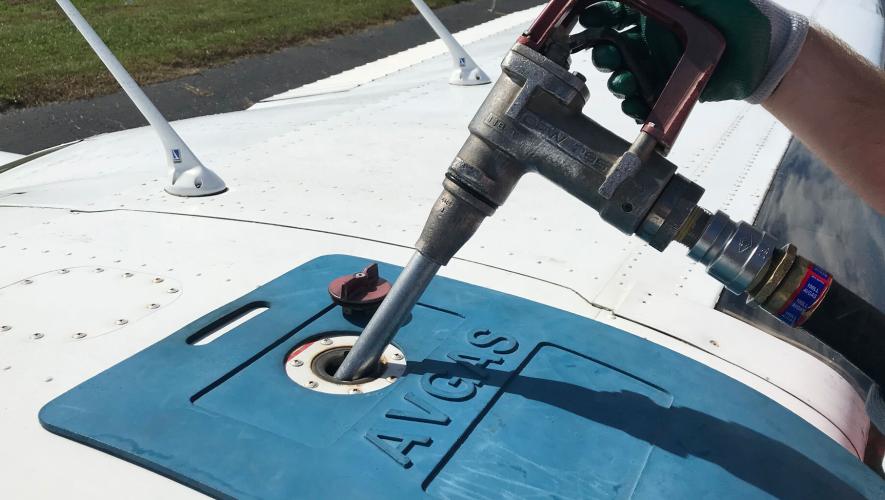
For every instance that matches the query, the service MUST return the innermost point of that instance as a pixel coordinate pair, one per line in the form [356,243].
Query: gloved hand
[762,41]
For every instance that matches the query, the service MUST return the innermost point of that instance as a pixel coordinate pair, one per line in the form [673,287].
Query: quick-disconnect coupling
[737,254]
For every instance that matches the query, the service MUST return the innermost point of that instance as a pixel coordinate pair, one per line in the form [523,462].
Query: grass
[44,59]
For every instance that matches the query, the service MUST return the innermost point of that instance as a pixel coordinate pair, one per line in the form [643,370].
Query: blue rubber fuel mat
[502,397]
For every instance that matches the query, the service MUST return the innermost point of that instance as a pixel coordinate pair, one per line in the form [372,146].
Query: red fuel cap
[359,291]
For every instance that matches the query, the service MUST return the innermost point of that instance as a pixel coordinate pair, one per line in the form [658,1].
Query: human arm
[829,96]
[833,100]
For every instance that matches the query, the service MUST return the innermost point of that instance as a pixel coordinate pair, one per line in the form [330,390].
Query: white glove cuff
[788,32]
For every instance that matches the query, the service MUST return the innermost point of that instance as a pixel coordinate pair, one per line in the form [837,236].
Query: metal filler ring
[312,365]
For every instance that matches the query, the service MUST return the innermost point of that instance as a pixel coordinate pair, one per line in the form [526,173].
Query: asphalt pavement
[237,85]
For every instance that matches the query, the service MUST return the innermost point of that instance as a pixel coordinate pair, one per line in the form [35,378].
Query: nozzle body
[532,121]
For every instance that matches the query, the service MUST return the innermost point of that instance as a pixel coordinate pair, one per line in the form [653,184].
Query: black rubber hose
[853,327]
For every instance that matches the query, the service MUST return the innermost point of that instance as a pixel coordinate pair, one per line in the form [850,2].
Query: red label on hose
[806,297]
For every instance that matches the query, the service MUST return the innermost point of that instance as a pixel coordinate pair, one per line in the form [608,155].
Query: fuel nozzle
[532,121]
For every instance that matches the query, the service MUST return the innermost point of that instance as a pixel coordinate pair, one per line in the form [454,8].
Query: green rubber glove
[763,40]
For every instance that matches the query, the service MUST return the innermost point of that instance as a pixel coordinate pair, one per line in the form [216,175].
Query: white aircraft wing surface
[97,262]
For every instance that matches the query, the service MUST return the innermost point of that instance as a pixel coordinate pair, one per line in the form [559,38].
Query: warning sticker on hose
[806,297]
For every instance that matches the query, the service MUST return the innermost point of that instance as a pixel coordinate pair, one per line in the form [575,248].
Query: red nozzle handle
[703,44]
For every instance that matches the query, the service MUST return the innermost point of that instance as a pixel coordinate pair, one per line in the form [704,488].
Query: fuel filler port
[312,365]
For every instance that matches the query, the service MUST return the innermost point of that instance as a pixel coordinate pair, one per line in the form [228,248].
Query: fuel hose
[851,326]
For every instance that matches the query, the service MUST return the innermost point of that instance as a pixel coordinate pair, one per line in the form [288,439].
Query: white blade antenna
[466,72]
[189,176]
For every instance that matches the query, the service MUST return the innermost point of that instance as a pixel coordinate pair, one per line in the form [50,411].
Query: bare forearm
[834,102]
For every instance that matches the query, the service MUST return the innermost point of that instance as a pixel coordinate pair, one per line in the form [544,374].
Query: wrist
[789,31]
[787,90]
